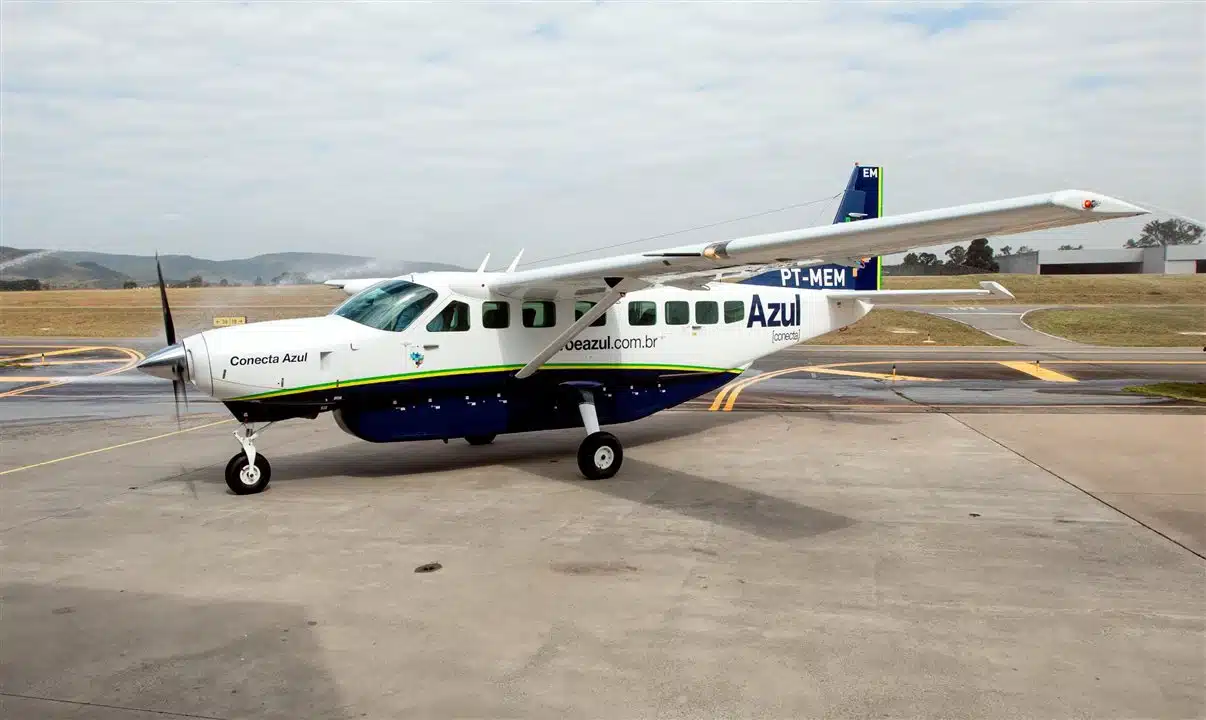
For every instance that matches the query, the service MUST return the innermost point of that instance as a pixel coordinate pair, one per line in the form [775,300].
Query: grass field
[901,327]
[1074,289]
[1178,390]
[1125,326]
[136,313]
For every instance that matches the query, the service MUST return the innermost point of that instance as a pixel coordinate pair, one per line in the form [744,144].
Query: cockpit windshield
[392,305]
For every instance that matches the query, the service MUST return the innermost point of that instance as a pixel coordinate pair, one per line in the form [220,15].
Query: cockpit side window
[453,318]
[391,306]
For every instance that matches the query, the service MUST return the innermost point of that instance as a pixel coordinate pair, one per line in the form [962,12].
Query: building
[1159,260]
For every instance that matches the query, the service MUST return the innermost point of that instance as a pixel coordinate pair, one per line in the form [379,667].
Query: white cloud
[443,131]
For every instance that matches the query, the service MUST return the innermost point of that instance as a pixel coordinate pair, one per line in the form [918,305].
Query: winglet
[515,262]
[482,267]
[996,290]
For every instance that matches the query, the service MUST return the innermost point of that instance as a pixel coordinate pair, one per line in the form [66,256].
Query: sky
[441,132]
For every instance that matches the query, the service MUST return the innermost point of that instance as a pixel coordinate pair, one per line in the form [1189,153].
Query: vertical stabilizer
[862,200]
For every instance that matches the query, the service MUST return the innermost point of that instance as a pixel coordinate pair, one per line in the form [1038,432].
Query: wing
[351,287]
[694,265]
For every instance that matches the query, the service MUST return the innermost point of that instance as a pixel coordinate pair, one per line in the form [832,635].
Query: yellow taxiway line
[63,351]
[113,447]
[727,397]
[1036,370]
[86,361]
[133,357]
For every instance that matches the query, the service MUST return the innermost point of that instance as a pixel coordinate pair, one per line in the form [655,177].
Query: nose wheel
[247,478]
[248,472]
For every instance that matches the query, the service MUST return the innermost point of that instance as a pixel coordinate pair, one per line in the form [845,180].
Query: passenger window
[539,314]
[706,312]
[678,312]
[496,315]
[641,312]
[453,318]
[734,311]
[580,309]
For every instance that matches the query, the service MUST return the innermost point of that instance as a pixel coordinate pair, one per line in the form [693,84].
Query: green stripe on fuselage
[423,374]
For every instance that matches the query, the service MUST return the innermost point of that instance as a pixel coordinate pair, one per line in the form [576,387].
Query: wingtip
[1097,204]
[996,289]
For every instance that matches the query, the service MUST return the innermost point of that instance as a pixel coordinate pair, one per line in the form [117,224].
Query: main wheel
[479,439]
[600,455]
[243,478]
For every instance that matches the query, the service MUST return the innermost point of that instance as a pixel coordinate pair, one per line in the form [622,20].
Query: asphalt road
[987,561]
[45,380]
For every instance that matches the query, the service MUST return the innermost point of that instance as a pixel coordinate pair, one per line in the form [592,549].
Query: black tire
[234,474]
[480,439]
[600,456]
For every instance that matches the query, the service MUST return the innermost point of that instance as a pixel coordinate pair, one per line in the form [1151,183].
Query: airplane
[473,355]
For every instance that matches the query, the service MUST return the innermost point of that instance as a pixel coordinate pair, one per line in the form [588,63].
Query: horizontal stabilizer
[989,290]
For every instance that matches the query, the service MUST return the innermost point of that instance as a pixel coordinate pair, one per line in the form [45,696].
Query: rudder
[862,200]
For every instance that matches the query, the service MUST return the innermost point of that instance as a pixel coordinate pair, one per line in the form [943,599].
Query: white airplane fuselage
[451,370]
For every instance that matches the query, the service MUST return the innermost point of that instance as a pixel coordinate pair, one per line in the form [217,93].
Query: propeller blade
[176,400]
[168,325]
[184,391]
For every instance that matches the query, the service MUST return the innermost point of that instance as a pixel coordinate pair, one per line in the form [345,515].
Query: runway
[992,379]
[48,380]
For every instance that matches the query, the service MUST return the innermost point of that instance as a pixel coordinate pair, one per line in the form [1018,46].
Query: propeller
[169,327]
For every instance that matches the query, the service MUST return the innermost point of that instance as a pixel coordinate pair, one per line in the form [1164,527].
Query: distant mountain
[70,268]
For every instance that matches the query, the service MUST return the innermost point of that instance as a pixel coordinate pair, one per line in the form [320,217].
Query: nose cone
[166,363]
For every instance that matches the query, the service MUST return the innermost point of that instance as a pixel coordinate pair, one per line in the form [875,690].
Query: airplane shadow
[369,460]
[551,455]
[701,498]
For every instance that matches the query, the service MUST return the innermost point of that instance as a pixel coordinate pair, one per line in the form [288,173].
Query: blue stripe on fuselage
[489,402]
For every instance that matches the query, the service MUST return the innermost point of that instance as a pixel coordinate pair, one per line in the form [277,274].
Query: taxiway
[842,555]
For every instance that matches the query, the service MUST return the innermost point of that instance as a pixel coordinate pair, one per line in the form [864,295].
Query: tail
[863,199]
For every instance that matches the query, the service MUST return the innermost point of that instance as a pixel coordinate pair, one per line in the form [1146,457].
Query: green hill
[72,268]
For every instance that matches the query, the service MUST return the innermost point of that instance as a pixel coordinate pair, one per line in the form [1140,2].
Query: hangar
[1159,260]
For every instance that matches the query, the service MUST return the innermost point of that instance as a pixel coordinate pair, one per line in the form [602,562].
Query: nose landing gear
[248,472]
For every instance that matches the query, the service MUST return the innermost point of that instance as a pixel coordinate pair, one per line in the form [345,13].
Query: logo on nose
[417,358]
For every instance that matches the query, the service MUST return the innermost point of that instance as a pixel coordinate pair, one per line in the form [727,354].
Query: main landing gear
[600,454]
[248,472]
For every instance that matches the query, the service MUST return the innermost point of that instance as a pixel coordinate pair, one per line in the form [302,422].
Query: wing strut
[611,297]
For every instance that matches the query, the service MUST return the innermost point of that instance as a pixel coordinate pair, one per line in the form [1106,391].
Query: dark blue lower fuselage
[489,403]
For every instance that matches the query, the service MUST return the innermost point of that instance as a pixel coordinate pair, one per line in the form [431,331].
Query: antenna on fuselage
[482,267]
[515,262]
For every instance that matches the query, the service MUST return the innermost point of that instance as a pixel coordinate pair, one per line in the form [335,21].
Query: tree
[927,259]
[1070,247]
[259,281]
[979,255]
[1024,249]
[1005,250]
[1168,232]
[195,281]
[224,282]
[956,254]
[23,284]
[129,285]
[911,260]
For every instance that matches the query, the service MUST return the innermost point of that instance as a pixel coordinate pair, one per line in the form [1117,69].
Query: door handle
[430,347]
